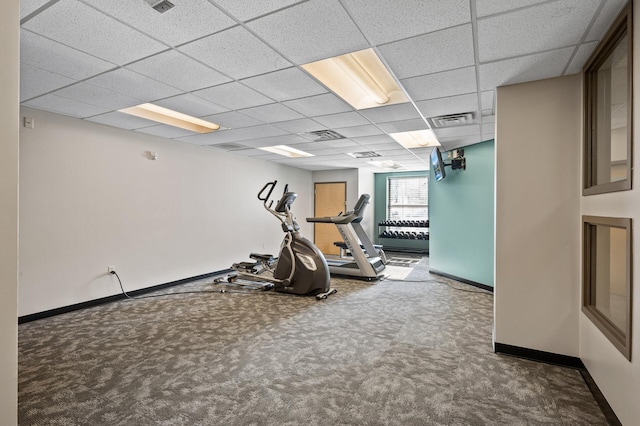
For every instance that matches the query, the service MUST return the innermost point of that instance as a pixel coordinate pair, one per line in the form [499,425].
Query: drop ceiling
[238,63]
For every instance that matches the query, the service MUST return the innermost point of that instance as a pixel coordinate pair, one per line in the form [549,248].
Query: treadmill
[367,261]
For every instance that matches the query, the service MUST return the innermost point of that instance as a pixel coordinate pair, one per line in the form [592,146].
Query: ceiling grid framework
[238,63]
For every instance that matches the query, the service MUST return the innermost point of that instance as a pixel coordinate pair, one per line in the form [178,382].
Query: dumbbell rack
[404,235]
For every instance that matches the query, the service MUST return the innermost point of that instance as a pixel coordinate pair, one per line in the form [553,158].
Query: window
[608,110]
[607,284]
[407,198]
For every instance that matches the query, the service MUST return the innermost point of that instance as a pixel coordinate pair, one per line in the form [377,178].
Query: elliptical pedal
[322,296]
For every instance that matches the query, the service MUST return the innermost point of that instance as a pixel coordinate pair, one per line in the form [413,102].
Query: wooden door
[330,200]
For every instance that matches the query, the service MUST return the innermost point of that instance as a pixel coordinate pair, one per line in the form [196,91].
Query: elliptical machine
[300,268]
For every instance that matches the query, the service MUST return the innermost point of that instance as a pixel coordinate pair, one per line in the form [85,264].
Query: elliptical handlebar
[282,209]
[271,186]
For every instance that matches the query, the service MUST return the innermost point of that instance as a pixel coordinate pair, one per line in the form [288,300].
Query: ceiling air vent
[161,6]
[452,120]
[324,135]
[364,154]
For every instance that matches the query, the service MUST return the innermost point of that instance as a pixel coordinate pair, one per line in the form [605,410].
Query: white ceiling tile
[396,150]
[232,120]
[35,82]
[30,6]
[395,112]
[404,125]
[317,148]
[235,52]
[233,96]
[178,70]
[383,21]
[491,7]
[487,99]
[527,68]
[343,119]
[422,152]
[190,104]
[40,52]
[249,9]
[430,53]
[357,131]
[450,132]
[97,96]
[166,131]
[187,21]
[70,22]
[580,57]
[314,106]
[488,131]
[272,113]
[64,106]
[290,140]
[373,140]
[489,119]
[300,126]
[122,120]
[285,85]
[451,105]
[607,15]
[439,85]
[235,135]
[459,142]
[129,83]
[555,24]
[381,147]
[309,31]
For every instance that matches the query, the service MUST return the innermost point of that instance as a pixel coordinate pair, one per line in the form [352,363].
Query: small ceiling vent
[161,6]
[324,135]
[364,154]
[452,120]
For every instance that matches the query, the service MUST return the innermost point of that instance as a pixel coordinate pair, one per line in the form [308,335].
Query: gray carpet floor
[413,352]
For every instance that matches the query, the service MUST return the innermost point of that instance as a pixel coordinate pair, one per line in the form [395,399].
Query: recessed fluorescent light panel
[387,165]
[416,139]
[171,117]
[287,151]
[360,78]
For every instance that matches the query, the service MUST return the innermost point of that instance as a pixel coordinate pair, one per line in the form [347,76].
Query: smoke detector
[161,6]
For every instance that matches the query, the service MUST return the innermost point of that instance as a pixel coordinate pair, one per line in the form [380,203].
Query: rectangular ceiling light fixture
[287,151]
[172,118]
[360,78]
[416,139]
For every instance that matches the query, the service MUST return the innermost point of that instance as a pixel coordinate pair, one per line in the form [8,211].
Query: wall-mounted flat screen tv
[437,164]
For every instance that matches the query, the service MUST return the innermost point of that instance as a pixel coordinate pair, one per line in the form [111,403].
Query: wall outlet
[111,269]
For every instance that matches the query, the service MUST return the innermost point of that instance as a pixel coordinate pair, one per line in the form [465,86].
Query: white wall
[537,288]
[91,198]
[9,98]
[617,378]
[366,185]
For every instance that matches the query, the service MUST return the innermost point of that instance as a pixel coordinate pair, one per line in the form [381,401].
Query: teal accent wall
[461,217]
[380,213]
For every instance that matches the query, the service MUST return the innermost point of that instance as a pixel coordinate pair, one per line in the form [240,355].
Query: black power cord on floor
[224,290]
[120,282]
[441,282]
[173,293]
